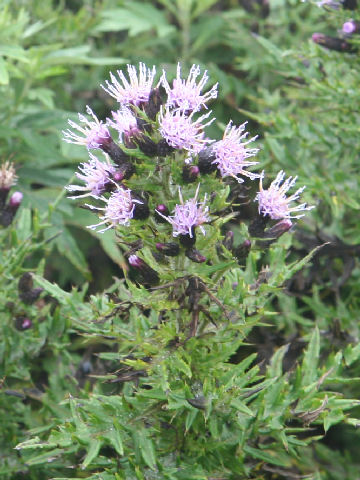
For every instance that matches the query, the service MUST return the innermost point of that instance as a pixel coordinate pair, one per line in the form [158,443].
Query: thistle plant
[163,180]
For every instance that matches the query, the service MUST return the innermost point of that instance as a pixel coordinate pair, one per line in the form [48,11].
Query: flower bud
[161,208]
[205,159]
[195,256]
[29,297]
[146,145]
[170,249]
[228,241]
[25,282]
[145,274]
[124,172]
[15,200]
[279,229]
[8,213]
[190,173]
[349,4]
[242,251]
[332,43]
[22,323]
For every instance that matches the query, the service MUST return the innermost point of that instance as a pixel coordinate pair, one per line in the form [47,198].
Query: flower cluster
[162,128]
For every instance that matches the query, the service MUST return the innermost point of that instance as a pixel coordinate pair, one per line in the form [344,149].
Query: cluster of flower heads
[158,120]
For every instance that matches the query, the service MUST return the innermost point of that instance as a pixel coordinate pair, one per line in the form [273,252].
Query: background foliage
[94,390]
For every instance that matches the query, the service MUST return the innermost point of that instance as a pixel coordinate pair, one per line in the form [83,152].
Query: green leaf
[92,452]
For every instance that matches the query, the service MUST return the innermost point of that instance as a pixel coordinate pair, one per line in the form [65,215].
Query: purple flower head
[188,215]
[186,94]
[231,153]
[273,201]
[16,199]
[94,133]
[180,131]
[95,174]
[124,122]
[134,91]
[7,176]
[119,209]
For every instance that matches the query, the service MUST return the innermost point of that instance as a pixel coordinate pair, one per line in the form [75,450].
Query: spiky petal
[96,176]
[182,131]
[232,153]
[118,210]
[273,201]
[186,94]
[124,121]
[94,133]
[188,215]
[134,91]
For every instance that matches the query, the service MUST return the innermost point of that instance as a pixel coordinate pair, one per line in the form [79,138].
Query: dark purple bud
[153,106]
[195,256]
[143,125]
[25,282]
[332,43]
[124,172]
[22,323]
[8,213]
[170,249]
[257,226]
[163,210]
[145,274]
[163,148]
[141,210]
[31,296]
[205,159]
[4,191]
[279,229]
[190,173]
[242,251]
[351,27]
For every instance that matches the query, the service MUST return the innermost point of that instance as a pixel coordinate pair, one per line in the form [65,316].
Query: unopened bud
[124,172]
[205,160]
[7,180]
[350,27]
[25,282]
[190,173]
[279,229]
[195,256]
[23,323]
[15,200]
[160,210]
[170,249]
[146,274]
[257,226]
[242,251]
[146,145]
[31,296]
[332,43]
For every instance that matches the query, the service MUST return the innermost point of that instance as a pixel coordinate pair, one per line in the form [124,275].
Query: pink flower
[135,91]
[95,133]
[180,131]
[119,209]
[186,94]
[273,201]
[95,174]
[188,215]
[231,153]
[125,123]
